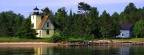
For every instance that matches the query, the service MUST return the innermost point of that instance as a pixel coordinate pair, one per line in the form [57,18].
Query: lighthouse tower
[35,18]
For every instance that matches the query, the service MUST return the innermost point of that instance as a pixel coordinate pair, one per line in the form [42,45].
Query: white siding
[36,20]
[33,21]
[51,26]
[45,28]
[126,34]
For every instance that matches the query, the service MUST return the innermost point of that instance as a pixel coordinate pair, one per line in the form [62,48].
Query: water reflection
[43,51]
[16,51]
[124,50]
[77,50]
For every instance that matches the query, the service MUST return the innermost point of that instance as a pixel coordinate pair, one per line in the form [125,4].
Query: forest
[87,23]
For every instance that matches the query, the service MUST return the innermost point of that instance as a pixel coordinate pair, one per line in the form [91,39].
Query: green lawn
[131,39]
[137,39]
[16,39]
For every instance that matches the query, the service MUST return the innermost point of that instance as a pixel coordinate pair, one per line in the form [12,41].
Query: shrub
[56,38]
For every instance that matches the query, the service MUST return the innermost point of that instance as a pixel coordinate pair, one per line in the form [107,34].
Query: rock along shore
[102,42]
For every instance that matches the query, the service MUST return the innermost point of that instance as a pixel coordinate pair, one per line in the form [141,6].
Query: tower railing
[39,13]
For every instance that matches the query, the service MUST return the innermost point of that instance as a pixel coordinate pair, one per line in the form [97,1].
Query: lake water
[71,50]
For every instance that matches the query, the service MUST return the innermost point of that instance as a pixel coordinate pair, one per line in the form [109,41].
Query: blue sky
[26,6]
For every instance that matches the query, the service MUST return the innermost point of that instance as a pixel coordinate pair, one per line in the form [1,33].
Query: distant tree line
[15,25]
[86,24]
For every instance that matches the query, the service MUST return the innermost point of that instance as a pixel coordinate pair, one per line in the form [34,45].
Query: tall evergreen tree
[61,17]
[10,22]
[19,20]
[83,8]
[105,24]
[115,24]
[46,10]
[92,22]
[130,14]
[130,8]
[69,25]
[25,30]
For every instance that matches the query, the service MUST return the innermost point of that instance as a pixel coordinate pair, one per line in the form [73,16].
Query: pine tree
[25,30]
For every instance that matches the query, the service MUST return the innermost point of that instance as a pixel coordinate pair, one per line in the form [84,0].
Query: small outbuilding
[125,31]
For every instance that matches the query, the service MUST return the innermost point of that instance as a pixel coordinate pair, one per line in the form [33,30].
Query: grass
[75,40]
[16,39]
[137,39]
[129,39]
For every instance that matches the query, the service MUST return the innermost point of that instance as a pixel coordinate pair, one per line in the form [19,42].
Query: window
[33,17]
[47,31]
[122,34]
[47,24]
[32,25]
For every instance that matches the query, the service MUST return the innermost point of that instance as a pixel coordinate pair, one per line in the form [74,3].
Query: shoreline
[28,44]
[103,42]
[50,44]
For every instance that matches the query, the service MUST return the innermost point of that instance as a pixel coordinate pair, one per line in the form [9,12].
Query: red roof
[126,26]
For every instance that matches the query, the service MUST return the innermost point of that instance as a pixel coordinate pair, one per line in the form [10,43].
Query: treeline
[86,24]
[15,25]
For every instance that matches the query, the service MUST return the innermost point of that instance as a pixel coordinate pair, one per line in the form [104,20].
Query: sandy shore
[46,44]
[27,44]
